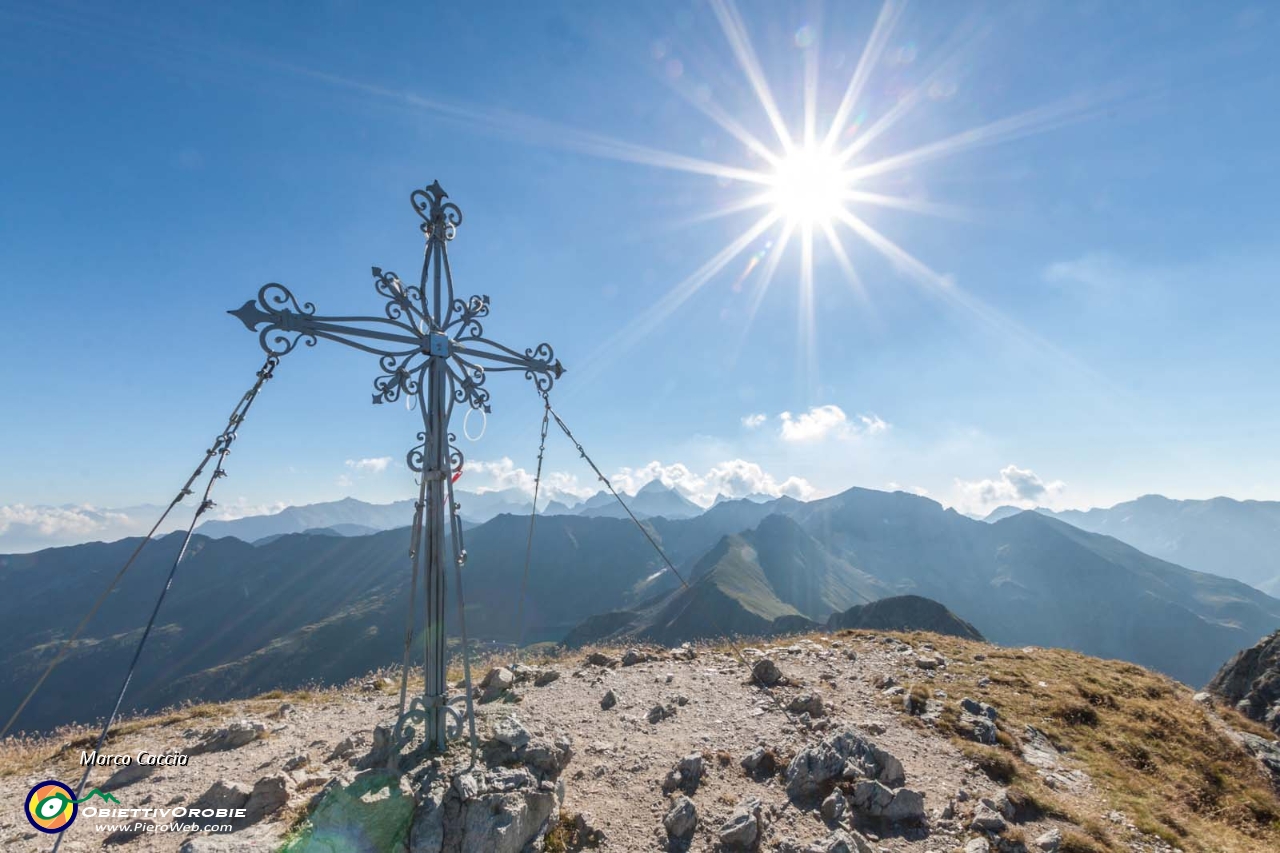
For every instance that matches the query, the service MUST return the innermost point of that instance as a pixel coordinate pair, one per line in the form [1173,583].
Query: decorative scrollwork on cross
[466,317]
[439,217]
[431,348]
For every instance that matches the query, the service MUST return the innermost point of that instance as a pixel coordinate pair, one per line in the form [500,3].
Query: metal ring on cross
[484,424]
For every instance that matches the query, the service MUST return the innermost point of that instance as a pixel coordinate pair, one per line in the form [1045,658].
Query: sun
[815,188]
[808,187]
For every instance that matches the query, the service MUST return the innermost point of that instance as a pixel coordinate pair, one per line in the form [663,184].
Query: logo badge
[51,806]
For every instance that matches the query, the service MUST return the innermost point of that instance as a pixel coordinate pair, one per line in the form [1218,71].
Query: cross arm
[535,360]
[281,321]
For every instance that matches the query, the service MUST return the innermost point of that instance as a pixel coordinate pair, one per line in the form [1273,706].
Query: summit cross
[430,346]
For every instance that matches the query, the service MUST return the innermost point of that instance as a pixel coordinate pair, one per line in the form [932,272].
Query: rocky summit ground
[853,741]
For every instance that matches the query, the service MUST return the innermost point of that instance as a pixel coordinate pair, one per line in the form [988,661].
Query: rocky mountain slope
[1024,579]
[1234,539]
[904,613]
[1250,682]
[770,579]
[855,741]
[650,501]
[320,608]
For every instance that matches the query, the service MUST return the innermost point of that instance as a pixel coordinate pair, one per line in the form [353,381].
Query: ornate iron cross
[431,346]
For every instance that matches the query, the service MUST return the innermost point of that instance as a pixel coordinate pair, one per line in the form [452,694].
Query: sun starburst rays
[820,182]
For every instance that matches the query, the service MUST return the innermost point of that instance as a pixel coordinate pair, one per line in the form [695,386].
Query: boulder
[344,749]
[979,709]
[842,841]
[608,700]
[766,672]
[875,800]
[504,810]
[807,703]
[834,807]
[547,757]
[585,831]
[760,762]
[682,819]
[380,753]
[1266,751]
[631,657]
[977,845]
[523,673]
[506,823]
[1050,841]
[1038,750]
[546,677]
[496,683]
[658,713]
[601,659]
[684,652]
[223,795]
[234,736]
[815,770]
[269,795]
[987,819]
[980,729]
[742,829]
[1250,682]
[685,775]
[511,732]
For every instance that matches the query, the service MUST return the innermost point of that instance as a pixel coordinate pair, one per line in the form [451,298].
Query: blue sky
[1102,323]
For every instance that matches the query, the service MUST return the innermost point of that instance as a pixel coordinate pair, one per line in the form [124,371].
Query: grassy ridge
[1154,754]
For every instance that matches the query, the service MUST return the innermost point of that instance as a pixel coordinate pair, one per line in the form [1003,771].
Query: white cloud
[1091,270]
[375,465]
[30,528]
[1016,486]
[894,486]
[241,508]
[753,421]
[828,421]
[872,424]
[735,478]
[55,521]
[503,474]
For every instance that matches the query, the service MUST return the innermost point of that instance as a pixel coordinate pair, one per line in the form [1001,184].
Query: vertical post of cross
[436,420]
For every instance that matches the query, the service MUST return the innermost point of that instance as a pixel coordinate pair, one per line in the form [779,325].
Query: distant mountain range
[1235,539]
[25,529]
[1025,579]
[317,606]
[651,501]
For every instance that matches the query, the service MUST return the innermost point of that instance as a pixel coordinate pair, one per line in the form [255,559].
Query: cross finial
[440,218]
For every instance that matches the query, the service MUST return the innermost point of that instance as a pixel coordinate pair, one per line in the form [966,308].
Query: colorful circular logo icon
[51,806]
